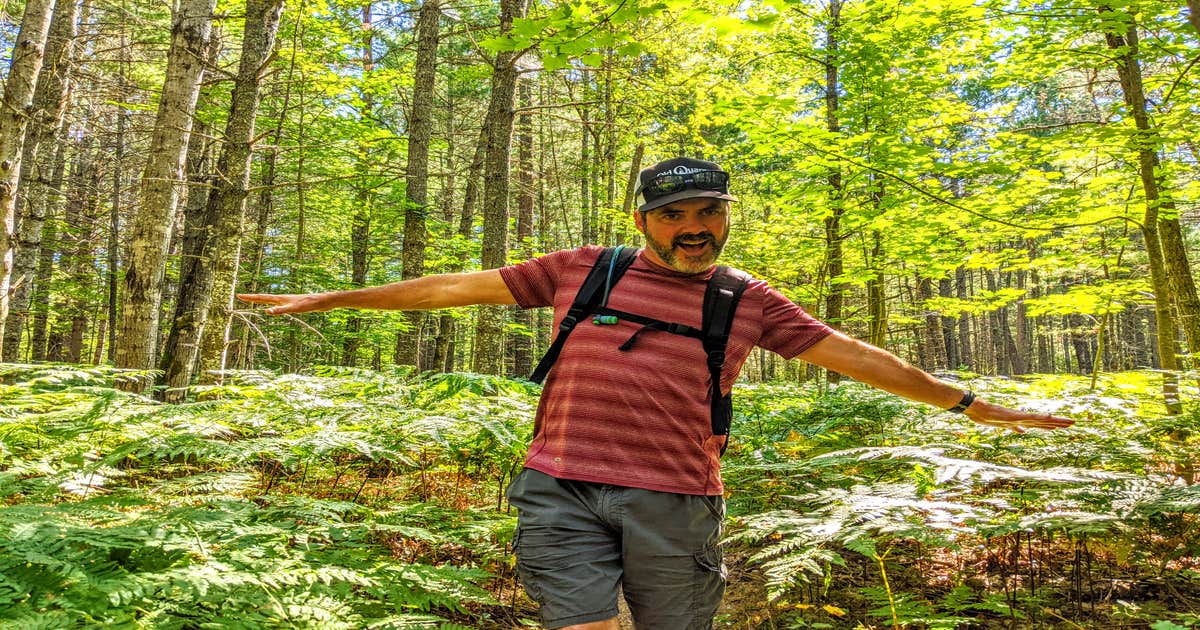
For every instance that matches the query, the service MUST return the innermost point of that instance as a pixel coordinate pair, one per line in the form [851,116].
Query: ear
[639,219]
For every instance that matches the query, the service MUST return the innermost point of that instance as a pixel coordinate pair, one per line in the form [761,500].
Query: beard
[676,253]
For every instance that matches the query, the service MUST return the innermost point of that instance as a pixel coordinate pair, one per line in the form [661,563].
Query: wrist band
[962,405]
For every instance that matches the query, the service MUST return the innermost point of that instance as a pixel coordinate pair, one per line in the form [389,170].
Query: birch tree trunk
[137,334]
[15,109]
[265,204]
[226,203]
[38,167]
[489,333]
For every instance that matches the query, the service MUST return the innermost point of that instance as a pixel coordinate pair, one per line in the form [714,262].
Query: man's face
[686,235]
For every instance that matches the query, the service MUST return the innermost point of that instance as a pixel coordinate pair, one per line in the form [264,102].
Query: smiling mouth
[693,246]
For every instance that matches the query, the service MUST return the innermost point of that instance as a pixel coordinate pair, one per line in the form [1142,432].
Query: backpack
[721,298]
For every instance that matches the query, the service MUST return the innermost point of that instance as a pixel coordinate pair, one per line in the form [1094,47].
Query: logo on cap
[681,170]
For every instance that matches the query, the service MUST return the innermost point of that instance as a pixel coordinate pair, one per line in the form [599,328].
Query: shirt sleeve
[534,282]
[788,329]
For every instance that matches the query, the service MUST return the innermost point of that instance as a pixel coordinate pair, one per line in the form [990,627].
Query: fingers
[261,298]
[1047,421]
[1020,422]
[281,304]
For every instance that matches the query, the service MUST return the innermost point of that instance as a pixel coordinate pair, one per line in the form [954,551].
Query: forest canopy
[984,185]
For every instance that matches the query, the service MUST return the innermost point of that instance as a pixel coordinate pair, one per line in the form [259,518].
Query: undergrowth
[356,499]
[863,511]
[270,501]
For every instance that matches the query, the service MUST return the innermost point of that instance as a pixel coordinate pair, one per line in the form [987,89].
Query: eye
[713,211]
[669,216]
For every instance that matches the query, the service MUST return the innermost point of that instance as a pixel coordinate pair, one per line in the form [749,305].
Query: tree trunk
[935,352]
[265,204]
[522,344]
[834,300]
[585,177]
[610,150]
[953,360]
[360,222]
[966,357]
[226,203]
[489,333]
[38,167]
[1163,317]
[137,337]
[1079,344]
[72,251]
[448,326]
[416,177]
[1024,347]
[111,279]
[445,320]
[15,109]
[876,301]
[49,252]
[83,268]
[294,345]
[1146,143]
[631,182]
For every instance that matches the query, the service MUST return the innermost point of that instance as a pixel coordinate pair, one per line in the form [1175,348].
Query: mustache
[707,236]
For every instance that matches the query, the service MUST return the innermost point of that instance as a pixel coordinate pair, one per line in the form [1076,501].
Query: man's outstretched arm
[879,368]
[418,294]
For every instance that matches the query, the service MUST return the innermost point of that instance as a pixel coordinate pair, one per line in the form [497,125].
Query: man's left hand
[991,415]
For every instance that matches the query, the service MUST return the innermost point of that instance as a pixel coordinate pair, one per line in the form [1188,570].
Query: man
[622,480]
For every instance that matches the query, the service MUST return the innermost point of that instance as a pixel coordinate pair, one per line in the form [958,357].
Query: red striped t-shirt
[641,418]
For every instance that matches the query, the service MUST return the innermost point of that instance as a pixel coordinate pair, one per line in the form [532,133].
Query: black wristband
[962,405]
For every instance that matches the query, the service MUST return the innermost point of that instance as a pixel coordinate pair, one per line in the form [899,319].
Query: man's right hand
[284,304]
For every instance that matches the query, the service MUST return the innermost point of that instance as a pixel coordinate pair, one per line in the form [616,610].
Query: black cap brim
[687,193]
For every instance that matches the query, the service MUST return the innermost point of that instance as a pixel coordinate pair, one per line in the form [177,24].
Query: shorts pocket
[711,575]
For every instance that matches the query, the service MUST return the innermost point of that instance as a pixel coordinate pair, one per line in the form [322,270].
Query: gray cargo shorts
[576,541]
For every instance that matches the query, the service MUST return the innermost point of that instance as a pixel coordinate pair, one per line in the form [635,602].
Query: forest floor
[347,499]
[1096,594]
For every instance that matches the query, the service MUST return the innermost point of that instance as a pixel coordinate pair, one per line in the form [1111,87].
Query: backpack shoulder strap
[721,300]
[593,293]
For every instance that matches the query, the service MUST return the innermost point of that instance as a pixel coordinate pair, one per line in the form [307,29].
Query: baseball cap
[681,178]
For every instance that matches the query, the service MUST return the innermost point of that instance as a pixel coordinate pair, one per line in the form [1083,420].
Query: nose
[693,224]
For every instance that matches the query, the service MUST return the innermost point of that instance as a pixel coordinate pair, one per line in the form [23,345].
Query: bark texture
[15,109]
[833,227]
[137,333]
[522,344]
[1167,256]
[416,176]
[489,333]
[217,253]
[38,168]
